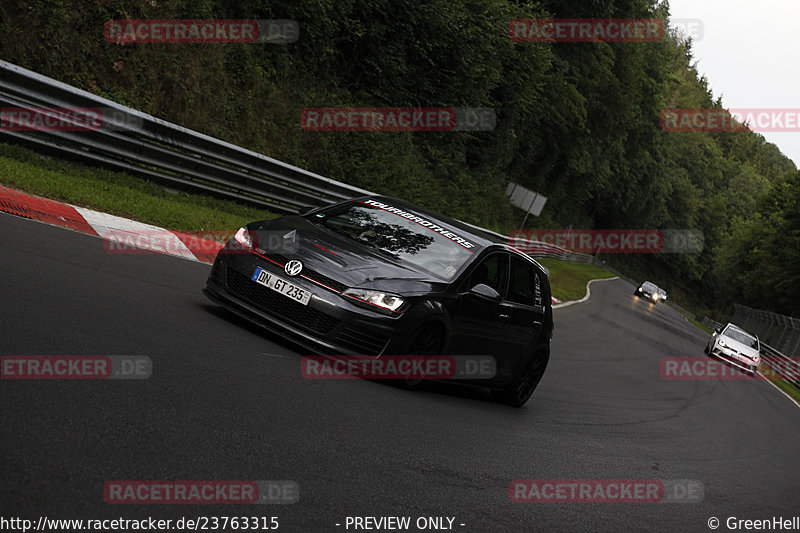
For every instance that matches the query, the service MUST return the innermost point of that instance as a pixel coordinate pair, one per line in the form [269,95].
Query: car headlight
[390,302]
[722,343]
[243,237]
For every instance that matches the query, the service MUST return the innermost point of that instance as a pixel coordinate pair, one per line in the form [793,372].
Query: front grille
[313,274]
[361,341]
[279,306]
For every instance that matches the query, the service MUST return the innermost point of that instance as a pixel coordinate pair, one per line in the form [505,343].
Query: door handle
[502,316]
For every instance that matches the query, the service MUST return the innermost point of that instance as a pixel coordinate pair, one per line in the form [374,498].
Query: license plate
[278,284]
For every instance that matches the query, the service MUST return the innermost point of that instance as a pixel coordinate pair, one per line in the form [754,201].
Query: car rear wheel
[521,389]
[427,341]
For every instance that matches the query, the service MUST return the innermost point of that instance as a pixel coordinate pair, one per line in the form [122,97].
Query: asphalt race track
[227,402]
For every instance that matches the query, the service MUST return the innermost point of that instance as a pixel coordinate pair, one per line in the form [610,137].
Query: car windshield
[420,241]
[741,336]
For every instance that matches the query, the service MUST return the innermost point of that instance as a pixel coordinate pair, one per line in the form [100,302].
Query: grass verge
[120,194]
[568,280]
[786,387]
[697,324]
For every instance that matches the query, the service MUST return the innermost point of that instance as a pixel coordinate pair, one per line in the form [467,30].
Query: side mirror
[306,209]
[481,290]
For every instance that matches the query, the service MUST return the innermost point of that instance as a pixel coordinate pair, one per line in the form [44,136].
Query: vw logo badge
[293,267]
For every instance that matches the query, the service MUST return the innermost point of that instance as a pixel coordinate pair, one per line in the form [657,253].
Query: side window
[492,271]
[525,286]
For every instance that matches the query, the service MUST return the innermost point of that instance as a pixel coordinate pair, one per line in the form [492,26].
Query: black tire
[428,341]
[521,389]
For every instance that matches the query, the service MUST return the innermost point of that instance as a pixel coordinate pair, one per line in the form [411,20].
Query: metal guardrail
[711,324]
[544,249]
[151,148]
[786,367]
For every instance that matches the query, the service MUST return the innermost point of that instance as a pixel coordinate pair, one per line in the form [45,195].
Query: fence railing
[788,368]
[780,331]
[140,144]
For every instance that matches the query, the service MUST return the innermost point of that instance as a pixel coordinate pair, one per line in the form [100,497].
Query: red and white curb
[121,235]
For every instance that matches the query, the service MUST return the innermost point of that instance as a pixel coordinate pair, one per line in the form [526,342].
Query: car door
[523,311]
[478,325]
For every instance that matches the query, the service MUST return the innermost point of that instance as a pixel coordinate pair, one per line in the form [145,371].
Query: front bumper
[735,359]
[329,324]
[648,296]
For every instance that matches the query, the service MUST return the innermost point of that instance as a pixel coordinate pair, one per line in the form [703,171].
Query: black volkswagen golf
[377,276]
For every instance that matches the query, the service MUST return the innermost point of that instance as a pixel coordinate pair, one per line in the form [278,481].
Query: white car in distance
[735,346]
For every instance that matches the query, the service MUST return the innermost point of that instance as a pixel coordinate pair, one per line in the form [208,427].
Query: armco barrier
[152,148]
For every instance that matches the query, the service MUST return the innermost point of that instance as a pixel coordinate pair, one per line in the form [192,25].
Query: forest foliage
[576,122]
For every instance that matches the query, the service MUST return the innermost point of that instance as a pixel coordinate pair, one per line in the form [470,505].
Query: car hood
[738,346]
[340,258]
